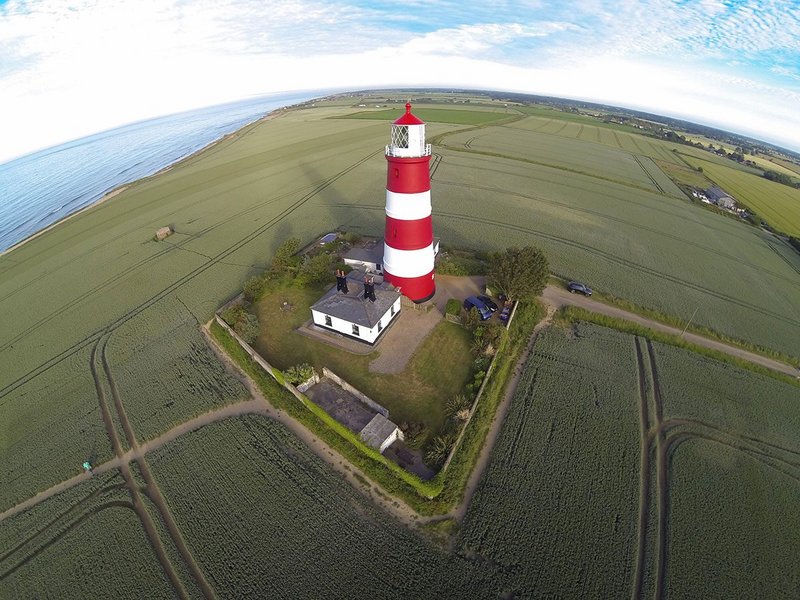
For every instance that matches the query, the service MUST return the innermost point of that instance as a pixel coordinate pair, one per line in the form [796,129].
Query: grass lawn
[440,368]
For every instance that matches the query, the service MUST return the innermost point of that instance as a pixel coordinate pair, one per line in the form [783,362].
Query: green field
[102,346]
[560,503]
[436,115]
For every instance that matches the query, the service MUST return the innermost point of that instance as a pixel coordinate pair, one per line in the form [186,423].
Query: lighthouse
[408,251]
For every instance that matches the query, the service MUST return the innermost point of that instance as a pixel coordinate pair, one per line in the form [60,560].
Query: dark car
[578,287]
[483,310]
[488,302]
[505,315]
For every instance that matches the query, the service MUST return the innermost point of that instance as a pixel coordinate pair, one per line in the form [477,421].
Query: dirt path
[558,297]
[644,473]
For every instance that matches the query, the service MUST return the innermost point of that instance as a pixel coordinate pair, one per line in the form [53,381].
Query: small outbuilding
[380,433]
[163,233]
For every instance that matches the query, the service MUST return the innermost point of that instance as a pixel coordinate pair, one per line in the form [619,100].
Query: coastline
[121,188]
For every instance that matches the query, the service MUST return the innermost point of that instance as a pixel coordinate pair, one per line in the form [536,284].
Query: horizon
[355,92]
[731,66]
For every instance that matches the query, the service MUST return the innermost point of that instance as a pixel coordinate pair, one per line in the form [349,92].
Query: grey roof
[377,431]
[717,193]
[372,254]
[353,307]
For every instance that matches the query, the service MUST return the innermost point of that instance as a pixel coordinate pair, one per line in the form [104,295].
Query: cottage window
[392,309]
[380,327]
[355,330]
[328,321]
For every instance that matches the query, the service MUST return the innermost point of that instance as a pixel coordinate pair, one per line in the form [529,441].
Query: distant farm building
[721,198]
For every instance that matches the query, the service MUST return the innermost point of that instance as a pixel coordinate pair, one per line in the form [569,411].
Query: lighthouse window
[355,330]
[400,136]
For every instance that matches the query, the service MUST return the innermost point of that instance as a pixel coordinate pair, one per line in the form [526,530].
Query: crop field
[101,351]
[603,422]
[734,478]
[776,203]
[263,516]
[557,505]
[184,377]
[437,115]
[84,543]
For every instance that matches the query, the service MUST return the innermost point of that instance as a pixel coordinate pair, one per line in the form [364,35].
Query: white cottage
[355,316]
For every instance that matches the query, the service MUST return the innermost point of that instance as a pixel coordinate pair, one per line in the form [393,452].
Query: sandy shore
[118,190]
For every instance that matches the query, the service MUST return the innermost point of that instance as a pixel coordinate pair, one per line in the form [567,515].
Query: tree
[285,262]
[317,269]
[253,288]
[520,273]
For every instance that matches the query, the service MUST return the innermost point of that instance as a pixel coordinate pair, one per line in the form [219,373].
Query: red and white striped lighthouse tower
[408,240]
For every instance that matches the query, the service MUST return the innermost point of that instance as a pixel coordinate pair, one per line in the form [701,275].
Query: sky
[70,68]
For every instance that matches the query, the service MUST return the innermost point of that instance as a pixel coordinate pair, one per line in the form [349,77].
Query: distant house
[355,316]
[163,233]
[721,198]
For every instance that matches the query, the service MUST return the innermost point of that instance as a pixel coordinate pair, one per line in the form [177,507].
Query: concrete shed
[380,433]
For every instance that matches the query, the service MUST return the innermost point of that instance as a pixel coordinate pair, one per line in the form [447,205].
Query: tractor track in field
[43,529]
[629,264]
[649,176]
[644,473]
[662,481]
[76,523]
[151,487]
[604,216]
[130,483]
[93,337]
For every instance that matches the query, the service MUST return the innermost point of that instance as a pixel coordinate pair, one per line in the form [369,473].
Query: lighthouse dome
[408,118]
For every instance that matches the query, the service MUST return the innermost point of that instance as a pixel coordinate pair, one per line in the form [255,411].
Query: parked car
[488,302]
[483,310]
[576,287]
[505,314]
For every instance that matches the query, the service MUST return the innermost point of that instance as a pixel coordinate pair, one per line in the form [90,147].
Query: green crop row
[557,505]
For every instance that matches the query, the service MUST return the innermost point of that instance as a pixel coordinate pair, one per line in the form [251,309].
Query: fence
[477,398]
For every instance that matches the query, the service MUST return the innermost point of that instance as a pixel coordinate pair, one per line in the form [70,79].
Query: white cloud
[70,70]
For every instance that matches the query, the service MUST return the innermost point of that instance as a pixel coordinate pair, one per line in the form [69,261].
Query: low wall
[326,372]
[259,360]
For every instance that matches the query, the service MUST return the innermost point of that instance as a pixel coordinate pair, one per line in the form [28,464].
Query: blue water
[39,189]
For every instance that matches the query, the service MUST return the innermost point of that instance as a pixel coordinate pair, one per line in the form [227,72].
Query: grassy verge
[680,323]
[571,314]
[446,489]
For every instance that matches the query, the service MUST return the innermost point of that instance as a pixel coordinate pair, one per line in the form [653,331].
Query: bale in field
[163,233]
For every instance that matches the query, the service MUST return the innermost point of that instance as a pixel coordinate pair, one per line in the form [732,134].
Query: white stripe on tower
[408,207]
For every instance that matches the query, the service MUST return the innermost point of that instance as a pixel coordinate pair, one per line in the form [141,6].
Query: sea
[39,189]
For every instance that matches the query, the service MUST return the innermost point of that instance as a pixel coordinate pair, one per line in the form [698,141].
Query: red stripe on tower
[408,253]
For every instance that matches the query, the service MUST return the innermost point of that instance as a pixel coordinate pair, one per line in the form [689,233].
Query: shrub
[453,307]
[297,374]
[253,288]
[247,327]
